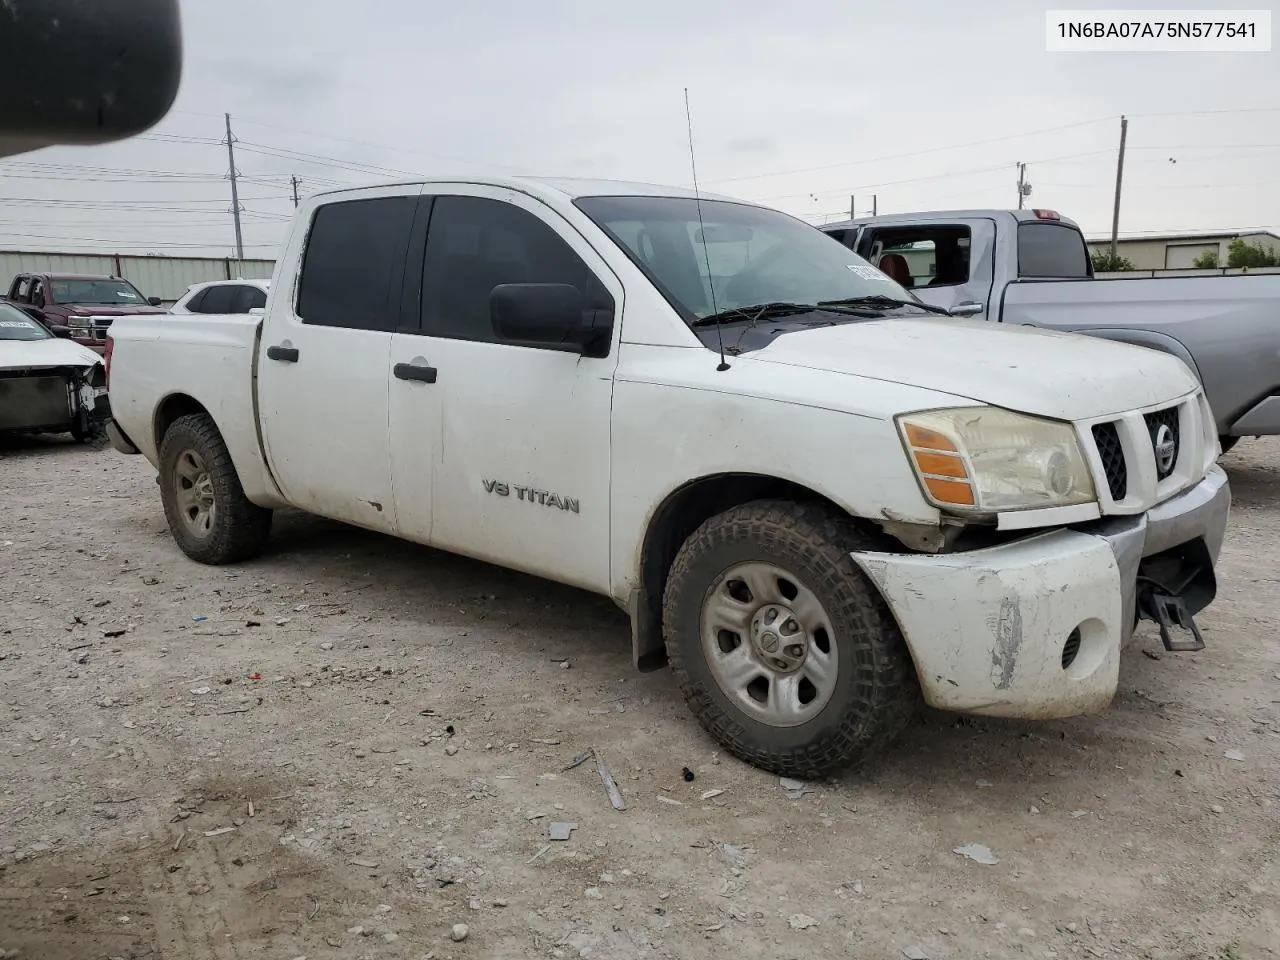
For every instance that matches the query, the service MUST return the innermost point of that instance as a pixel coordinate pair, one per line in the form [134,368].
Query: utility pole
[853,207]
[294,181]
[873,205]
[235,193]
[1115,215]
[1022,183]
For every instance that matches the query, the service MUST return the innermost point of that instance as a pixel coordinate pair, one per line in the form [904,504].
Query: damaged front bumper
[53,400]
[1034,628]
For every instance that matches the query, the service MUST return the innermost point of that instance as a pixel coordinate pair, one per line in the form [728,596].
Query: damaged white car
[49,384]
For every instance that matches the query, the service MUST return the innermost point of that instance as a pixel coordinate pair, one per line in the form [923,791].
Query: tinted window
[353,251]
[219,299]
[249,298]
[195,304]
[474,244]
[1051,250]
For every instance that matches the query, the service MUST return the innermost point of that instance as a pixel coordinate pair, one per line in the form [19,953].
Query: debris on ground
[459,932]
[795,788]
[610,785]
[710,794]
[914,953]
[801,921]
[560,830]
[978,853]
[1235,755]
[687,774]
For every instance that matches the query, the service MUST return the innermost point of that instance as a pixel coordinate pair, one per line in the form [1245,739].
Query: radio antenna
[702,229]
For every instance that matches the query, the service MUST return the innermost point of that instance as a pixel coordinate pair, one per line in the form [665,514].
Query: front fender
[1146,338]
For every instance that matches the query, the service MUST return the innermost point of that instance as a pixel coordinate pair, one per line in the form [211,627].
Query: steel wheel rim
[769,644]
[193,493]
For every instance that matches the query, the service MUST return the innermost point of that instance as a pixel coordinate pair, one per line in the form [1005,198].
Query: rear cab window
[1052,251]
[351,256]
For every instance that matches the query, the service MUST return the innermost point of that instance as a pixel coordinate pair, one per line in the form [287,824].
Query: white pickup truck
[818,500]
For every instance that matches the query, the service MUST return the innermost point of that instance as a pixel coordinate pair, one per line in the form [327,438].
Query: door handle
[412,371]
[283,354]
[967,308]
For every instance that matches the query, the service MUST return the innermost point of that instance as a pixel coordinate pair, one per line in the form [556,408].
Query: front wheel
[210,518]
[783,649]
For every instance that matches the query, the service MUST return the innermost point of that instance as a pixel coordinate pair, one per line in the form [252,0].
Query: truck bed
[209,358]
[1229,324]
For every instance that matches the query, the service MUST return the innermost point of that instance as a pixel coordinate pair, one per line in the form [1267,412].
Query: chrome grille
[1162,427]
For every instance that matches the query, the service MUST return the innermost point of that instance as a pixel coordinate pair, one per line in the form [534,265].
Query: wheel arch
[681,512]
[172,408]
[242,445]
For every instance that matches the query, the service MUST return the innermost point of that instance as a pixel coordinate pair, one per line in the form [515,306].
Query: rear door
[323,370]
[951,261]
[520,473]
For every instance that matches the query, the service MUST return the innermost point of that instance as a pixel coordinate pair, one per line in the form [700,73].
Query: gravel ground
[351,745]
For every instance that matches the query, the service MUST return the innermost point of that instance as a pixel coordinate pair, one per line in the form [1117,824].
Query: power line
[915,153]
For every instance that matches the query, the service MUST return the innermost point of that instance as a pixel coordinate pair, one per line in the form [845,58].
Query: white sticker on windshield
[867,273]
[20,324]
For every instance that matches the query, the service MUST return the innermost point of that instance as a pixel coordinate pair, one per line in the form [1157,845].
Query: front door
[520,475]
[325,351]
[949,261]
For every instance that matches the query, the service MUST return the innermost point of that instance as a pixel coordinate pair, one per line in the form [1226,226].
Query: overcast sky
[798,104]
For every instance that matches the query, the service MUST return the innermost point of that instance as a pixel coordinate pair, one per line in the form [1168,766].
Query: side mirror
[552,315]
[127,63]
[60,330]
[155,301]
[970,308]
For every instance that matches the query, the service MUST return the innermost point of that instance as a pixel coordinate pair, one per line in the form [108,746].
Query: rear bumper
[1261,420]
[987,629]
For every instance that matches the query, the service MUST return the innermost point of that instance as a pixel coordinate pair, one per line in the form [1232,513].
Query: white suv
[223,296]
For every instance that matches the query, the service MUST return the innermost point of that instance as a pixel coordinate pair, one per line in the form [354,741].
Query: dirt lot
[400,721]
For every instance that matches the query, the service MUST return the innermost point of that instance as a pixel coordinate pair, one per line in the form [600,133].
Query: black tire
[876,692]
[237,529]
[1227,443]
[95,435]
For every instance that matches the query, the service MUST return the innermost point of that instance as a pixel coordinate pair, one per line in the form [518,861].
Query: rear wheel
[784,650]
[210,518]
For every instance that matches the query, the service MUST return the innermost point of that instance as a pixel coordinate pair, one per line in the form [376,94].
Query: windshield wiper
[879,300]
[769,311]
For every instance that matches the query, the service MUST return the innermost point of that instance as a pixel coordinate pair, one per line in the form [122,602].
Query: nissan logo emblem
[1165,448]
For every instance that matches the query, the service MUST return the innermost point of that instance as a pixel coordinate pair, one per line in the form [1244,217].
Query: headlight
[985,459]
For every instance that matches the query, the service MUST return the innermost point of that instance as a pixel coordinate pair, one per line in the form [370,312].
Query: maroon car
[65,302]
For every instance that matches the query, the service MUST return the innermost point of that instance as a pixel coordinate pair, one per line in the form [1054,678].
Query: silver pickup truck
[1032,267]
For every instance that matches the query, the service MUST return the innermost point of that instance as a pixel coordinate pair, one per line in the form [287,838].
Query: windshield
[16,325]
[737,255]
[111,292]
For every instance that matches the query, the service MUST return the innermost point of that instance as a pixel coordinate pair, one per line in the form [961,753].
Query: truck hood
[22,354]
[97,310]
[1042,372]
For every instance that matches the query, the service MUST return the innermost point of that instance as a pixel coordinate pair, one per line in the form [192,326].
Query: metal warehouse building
[163,277]
[1179,251]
